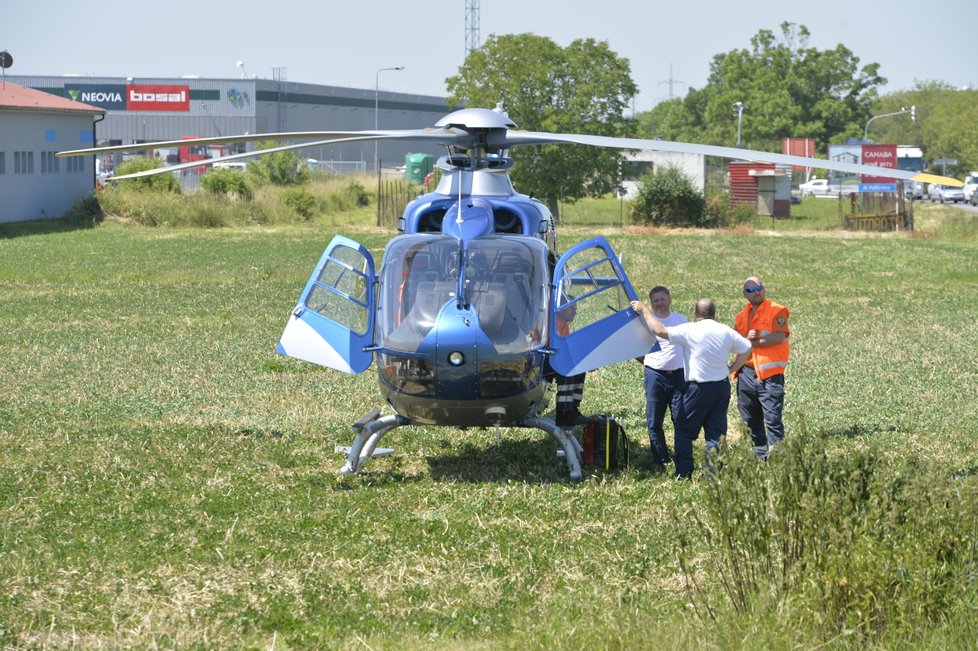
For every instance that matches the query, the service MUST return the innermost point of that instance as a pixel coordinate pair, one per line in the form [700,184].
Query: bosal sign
[152,97]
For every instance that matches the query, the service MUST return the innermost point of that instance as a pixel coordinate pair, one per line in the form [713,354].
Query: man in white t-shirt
[664,376]
[707,347]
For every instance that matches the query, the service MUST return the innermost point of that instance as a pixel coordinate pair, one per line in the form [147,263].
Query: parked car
[944,193]
[814,187]
[913,189]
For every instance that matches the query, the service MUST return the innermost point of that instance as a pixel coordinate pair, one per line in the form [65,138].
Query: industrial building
[34,126]
[157,109]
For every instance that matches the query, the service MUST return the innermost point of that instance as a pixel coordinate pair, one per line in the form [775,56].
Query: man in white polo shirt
[664,377]
[707,347]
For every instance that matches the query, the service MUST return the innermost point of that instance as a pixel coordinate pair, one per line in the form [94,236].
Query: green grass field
[168,481]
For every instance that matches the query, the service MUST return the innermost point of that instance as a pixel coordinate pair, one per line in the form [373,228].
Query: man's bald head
[706,309]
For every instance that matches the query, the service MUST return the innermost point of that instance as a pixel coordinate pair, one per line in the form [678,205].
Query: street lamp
[739,108]
[913,118]
[377,106]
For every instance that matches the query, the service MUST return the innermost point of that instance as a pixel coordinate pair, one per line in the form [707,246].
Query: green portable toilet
[417,166]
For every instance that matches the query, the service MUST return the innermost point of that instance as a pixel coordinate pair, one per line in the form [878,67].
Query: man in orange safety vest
[760,383]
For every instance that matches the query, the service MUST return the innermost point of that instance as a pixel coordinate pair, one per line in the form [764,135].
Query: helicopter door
[592,323]
[334,319]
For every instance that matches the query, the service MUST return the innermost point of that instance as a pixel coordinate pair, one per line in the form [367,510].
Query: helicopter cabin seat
[430,298]
[489,300]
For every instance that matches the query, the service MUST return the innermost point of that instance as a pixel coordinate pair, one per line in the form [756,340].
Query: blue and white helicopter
[462,313]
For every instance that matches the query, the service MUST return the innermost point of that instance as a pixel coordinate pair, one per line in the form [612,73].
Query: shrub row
[838,544]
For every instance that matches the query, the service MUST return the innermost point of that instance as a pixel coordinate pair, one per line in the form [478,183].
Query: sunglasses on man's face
[751,290]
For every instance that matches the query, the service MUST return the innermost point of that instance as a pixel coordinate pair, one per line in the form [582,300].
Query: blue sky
[344,43]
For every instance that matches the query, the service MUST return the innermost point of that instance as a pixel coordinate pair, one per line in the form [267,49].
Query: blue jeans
[761,403]
[703,406]
[662,390]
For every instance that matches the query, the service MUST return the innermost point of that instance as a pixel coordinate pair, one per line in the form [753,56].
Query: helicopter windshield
[506,284]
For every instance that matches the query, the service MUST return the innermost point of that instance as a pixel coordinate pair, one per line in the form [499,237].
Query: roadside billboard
[798,147]
[879,156]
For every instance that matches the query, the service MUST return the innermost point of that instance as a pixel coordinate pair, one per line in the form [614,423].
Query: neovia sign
[153,97]
[108,97]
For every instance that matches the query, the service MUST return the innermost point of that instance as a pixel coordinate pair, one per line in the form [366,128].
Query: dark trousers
[661,390]
[761,403]
[703,406]
[570,393]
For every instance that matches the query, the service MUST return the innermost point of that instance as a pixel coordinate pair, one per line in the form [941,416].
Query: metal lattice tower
[671,83]
[471,26]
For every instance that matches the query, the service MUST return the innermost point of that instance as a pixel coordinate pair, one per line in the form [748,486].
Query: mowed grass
[167,480]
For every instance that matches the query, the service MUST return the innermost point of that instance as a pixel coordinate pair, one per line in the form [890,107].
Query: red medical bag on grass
[604,444]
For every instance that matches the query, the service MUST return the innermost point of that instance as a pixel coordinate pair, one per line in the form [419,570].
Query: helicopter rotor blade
[438,136]
[516,138]
[230,157]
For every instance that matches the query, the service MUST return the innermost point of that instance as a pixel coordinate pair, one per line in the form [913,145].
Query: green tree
[278,168]
[946,125]
[583,88]
[790,89]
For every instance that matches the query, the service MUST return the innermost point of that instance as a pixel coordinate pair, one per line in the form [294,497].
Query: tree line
[789,89]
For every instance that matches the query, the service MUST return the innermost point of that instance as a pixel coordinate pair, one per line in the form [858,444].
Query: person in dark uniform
[570,390]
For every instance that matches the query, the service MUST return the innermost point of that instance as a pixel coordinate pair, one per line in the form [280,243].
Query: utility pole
[377,110]
[739,112]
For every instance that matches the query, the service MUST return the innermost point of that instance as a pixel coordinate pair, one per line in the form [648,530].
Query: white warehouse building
[155,109]
[34,126]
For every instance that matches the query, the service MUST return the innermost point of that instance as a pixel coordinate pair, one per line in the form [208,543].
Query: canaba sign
[153,97]
[105,96]
[880,156]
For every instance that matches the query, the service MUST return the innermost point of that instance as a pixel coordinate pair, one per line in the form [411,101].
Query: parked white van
[970,185]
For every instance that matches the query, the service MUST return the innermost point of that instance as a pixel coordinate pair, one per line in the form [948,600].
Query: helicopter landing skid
[373,426]
[570,445]
[369,431]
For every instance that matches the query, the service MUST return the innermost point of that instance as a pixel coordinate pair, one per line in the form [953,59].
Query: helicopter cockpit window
[592,287]
[340,291]
[419,275]
[506,283]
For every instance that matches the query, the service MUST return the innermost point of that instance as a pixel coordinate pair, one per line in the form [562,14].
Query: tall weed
[844,543]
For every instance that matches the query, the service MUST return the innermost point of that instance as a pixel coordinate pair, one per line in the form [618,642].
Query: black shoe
[571,419]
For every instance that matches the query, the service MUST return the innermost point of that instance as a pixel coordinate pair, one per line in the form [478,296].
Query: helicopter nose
[457,355]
